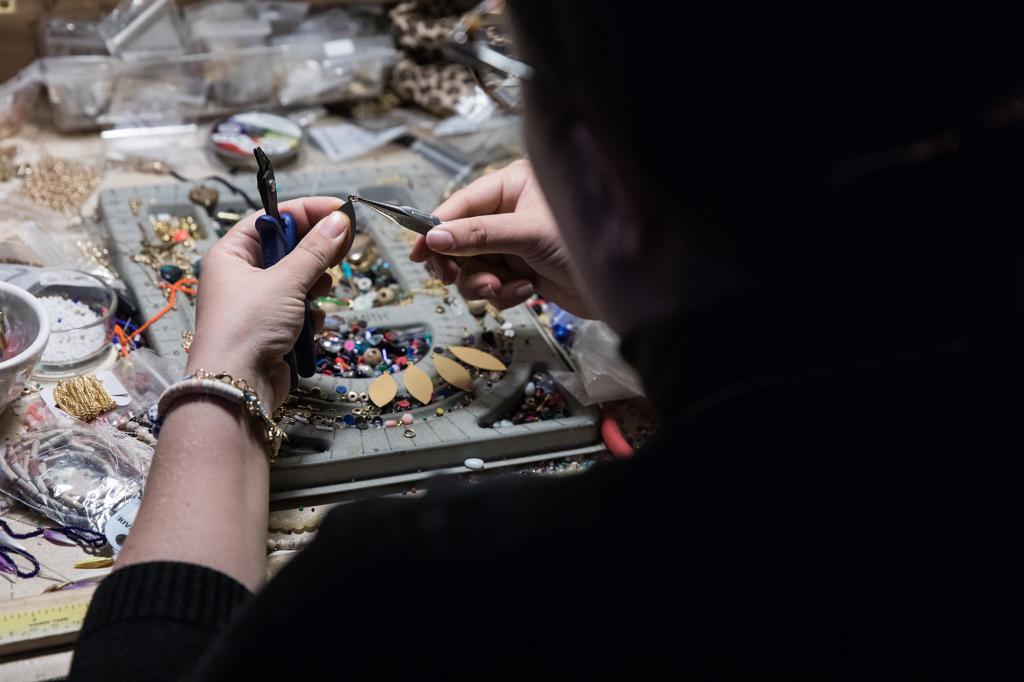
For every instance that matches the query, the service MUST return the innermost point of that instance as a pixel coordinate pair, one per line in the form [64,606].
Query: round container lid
[234,138]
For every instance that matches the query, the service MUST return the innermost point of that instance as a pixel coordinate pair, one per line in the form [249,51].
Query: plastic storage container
[88,92]
[80,308]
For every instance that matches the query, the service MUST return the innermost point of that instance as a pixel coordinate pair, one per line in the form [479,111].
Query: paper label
[343,141]
[121,522]
[339,48]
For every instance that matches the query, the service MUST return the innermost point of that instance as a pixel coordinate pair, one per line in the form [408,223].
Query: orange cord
[174,289]
[122,339]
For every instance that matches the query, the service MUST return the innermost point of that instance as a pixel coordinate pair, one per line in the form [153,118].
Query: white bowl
[28,330]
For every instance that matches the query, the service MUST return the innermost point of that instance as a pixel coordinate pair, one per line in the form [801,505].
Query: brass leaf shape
[418,384]
[474,357]
[454,373]
[382,390]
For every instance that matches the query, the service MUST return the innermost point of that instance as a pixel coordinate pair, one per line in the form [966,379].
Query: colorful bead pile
[361,351]
[366,281]
[542,400]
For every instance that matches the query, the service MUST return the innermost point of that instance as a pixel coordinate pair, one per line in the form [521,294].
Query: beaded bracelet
[220,385]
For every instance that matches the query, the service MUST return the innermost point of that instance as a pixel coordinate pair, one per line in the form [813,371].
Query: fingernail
[440,240]
[333,225]
[523,290]
[486,291]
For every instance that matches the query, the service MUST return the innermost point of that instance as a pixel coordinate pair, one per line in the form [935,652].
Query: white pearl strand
[295,528]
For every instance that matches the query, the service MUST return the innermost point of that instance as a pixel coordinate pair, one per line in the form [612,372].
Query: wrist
[228,389]
[207,413]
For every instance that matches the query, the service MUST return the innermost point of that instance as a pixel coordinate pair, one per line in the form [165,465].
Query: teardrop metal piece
[474,357]
[382,390]
[453,373]
[418,384]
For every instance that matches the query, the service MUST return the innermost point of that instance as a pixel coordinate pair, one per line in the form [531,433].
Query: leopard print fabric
[423,76]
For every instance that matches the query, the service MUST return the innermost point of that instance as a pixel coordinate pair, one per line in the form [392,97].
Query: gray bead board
[315,457]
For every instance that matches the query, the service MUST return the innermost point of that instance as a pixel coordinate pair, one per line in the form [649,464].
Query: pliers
[278,236]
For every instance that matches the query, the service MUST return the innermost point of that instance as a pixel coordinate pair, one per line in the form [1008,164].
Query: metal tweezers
[406,216]
[422,222]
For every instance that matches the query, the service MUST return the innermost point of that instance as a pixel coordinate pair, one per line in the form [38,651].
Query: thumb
[504,233]
[321,248]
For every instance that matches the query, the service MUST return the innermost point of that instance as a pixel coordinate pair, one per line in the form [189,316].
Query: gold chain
[83,397]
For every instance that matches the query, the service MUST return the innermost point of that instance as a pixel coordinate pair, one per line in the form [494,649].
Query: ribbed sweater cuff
[165,590]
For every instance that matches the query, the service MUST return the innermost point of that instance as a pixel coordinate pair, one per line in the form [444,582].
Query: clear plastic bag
[17,97]
[63,37]
[134,383]
[80,88]
[78,475]
[33,235]
[344,141]
[86,91]
[156,93]
[144,376]
[341,68]
[236,18]
[474,112]
[224,25]
[602,375]
[144,26]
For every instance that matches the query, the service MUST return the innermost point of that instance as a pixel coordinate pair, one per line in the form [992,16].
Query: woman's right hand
[504,217]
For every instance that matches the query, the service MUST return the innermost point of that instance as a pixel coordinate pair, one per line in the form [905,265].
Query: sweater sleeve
[154,621]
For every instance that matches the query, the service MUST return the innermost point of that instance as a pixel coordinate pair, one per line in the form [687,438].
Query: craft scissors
[422,222]
[278,237]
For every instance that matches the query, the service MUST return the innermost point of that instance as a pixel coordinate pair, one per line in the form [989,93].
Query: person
[805,225]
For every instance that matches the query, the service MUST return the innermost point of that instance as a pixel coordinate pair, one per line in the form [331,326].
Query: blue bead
[340,389]
[350,420]
[171,273]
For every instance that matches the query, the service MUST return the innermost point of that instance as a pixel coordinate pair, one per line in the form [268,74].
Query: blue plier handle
[278,237]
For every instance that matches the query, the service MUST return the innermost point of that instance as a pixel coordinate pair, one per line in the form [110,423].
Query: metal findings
[204,196]
[59,184]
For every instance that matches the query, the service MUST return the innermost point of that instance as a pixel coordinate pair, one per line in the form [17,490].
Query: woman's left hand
[247,318]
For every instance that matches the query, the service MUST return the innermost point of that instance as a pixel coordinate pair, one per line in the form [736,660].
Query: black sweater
[844,522]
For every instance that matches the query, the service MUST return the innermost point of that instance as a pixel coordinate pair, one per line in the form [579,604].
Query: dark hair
[860,153]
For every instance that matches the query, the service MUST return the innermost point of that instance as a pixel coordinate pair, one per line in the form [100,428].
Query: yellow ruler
[46,620]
